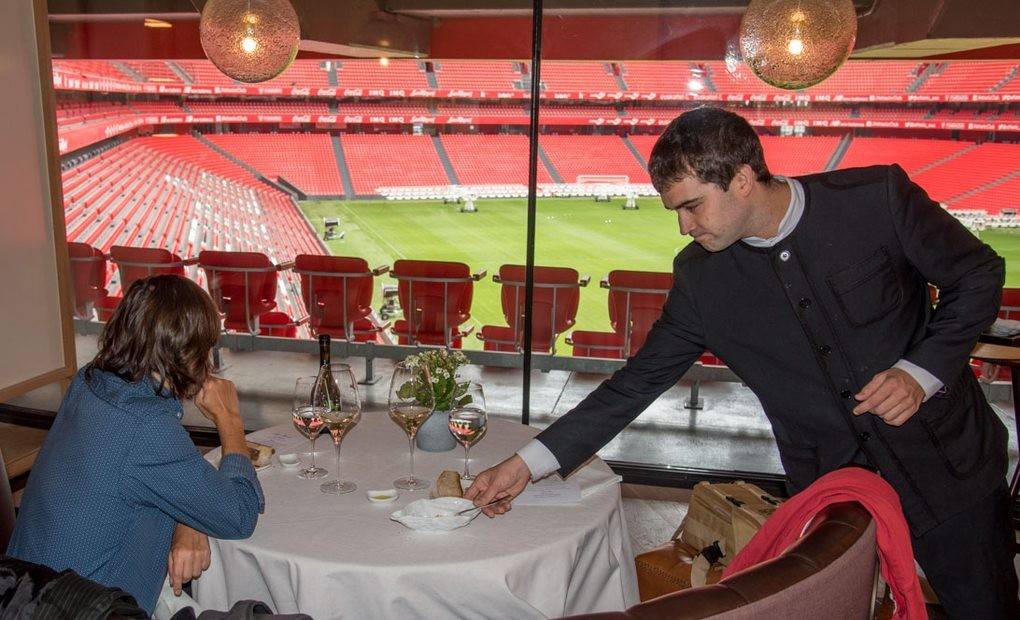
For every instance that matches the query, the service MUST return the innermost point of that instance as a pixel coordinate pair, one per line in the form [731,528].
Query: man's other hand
[189,556]
[893,395]
[501,482]
[217,400]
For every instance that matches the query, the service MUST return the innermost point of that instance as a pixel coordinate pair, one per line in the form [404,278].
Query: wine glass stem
[467,474]
[337,444]
[312,439]
[411,444]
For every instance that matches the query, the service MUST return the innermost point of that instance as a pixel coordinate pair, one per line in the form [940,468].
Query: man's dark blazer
[807,323]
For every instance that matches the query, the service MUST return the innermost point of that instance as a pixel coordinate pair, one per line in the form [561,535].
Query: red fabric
[896,556]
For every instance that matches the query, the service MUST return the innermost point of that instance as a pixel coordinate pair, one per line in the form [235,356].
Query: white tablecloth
[342,557]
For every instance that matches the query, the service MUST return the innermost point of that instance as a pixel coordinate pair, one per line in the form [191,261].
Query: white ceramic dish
[288,460]
[382,496]
[435,515]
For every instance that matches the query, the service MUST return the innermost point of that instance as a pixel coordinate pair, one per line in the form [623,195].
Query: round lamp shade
[794,44]
[250,40]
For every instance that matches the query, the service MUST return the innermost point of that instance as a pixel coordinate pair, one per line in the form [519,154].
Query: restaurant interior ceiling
[688,29]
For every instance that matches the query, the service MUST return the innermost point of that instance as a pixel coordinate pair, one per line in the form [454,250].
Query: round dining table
[333,556]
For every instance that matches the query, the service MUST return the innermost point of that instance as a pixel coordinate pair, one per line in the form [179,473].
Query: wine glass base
[468,477]
[338,487]
[312,473]
[411,484]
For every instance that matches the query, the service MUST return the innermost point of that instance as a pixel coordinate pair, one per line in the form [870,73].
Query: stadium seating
[305,160]
[576,155]
[667,76]
[137,263]
[477,74]
[337,290]
[798,156]
[491,158]
[554,308]
[258,107]
[967,77]
[376,160]
[243,285]
[635,303]
[88,277]
[388,109]
[911,154]
[154,70]
[436,299]
[396,74]
[969,171]
[577,76]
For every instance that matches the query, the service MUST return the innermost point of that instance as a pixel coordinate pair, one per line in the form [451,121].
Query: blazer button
[804,303]
[784,255]
[825,349]
[847,394]
[864,437]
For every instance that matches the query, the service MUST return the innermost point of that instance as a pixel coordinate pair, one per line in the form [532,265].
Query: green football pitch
[593,238]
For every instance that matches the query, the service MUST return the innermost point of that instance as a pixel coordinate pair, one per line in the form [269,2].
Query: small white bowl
[382,496]
[289,461]
[435,515]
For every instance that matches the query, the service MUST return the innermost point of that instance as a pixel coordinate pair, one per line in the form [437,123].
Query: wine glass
[336,392]
[411,402]
[308,421]
[468,422]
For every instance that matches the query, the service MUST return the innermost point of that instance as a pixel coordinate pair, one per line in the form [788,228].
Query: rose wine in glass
[307,417]
[410,403]
[336,394]
[468,422]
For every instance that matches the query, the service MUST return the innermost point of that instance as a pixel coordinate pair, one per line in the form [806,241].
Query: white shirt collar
[789,222]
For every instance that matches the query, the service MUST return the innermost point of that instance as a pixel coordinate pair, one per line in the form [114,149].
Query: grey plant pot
[434,435]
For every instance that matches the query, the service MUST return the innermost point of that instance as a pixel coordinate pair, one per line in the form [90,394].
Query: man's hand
[504,481]
[189,556]
[893,395]
[217,400]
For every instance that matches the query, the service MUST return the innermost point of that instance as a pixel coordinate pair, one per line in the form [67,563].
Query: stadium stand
[656,76]
[563,75]
[967,76]
[154,70]
[376,109]
[491,158]
[304,160]
[476,74]
[971,170]
[396,74]
[391,160]
[797,156]
[258,107]
[912,154]
[576,155]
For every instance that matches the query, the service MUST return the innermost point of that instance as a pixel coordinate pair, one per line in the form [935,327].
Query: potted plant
[435,371]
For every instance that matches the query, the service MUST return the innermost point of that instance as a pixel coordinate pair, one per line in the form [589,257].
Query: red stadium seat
[137,263]
[635,303]
[243,285]
[436,299]
[554,308]
[337,290]
[88,275]
[278,324]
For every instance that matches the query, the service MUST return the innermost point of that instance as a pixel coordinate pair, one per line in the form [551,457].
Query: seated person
[118,477]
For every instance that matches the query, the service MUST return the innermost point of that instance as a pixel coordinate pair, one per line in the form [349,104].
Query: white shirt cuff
[928,382]
[539,459]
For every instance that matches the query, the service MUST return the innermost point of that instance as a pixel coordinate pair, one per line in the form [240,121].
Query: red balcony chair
[337,291]
[554,308]
[137,263]
[278,324]
[1008,309]
[243,285]
[88,277]
[635,303]
[436,299]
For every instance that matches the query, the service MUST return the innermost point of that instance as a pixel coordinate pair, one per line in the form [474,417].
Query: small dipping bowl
[288,460]
[382,496]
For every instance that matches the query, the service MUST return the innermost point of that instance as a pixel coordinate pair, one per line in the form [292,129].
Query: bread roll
[259,454]
[448,485]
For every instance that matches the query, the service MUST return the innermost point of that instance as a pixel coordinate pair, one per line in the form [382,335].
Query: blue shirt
[116,473]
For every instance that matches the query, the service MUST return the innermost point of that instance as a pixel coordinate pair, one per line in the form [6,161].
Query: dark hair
[709,144]
[165,326]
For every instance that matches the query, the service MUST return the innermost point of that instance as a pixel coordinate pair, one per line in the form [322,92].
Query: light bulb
[795,44]
[695,84]
[249,45]
[384,61]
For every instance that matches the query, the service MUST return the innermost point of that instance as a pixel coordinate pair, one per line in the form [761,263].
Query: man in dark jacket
[815,292]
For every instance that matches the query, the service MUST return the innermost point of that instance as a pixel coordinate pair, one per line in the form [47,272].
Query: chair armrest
[284,266]
[190,261]
[378,271]
[584,281]
[604,283]
[569,340]
[496,278]
[478,276]
[467,332]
